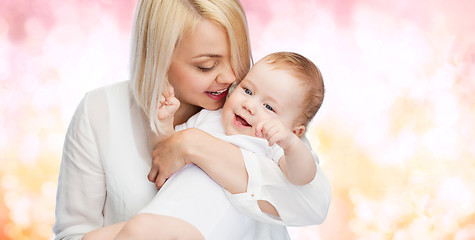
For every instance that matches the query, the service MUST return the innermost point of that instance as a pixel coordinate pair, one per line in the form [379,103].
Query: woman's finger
[152,175]
[160,181]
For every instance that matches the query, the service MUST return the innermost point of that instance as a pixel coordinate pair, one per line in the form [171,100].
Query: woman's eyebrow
[209,55]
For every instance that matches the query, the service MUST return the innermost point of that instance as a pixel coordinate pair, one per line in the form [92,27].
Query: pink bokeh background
[395,133]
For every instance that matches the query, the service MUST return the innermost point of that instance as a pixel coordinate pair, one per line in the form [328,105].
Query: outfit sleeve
[297,205]
[81,185]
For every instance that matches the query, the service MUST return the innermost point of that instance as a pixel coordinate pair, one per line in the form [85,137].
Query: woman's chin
[213,107]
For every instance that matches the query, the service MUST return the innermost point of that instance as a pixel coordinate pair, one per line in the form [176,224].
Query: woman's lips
[218,95]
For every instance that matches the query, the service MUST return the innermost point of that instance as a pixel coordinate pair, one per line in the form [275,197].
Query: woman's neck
[184,112]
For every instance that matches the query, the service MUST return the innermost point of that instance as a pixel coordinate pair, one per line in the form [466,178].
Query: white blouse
[107,156]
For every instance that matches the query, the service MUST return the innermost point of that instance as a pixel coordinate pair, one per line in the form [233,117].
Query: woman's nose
[226,75]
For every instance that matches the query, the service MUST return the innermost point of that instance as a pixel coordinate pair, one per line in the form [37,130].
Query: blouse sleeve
[297,205]
[81,185]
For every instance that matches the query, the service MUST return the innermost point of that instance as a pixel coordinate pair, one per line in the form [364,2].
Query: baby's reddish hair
[306,71]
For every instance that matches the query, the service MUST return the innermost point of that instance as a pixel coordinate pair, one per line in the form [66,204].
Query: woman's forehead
[207,39]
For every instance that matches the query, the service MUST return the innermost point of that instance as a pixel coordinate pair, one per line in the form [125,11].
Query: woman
[108,146]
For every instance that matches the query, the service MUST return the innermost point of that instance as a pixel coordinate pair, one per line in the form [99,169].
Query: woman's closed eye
[206,69]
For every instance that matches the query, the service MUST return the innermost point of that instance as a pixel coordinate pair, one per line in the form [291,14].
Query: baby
[266,113]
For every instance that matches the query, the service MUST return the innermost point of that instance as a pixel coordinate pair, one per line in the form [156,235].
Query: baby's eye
[247,91]
[268,107]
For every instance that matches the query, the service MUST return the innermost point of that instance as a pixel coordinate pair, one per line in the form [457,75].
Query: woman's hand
[221,160]
[167,159]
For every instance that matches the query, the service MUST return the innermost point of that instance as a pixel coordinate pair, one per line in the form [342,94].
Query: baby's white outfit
[193,196]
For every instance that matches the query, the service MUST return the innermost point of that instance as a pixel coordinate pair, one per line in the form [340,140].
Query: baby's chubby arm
[297,164]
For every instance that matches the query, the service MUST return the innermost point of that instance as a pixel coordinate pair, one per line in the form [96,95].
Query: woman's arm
[183,148]
[221,160]
[254,183]
[81,185]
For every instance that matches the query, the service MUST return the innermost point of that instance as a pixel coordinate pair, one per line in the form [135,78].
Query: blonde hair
[308,73]
[159,27]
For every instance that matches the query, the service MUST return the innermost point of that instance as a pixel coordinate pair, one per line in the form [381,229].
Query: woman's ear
[299,130]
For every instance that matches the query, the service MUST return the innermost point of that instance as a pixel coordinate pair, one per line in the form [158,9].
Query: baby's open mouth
[241,121]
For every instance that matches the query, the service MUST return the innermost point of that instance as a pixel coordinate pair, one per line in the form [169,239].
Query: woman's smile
[218,95]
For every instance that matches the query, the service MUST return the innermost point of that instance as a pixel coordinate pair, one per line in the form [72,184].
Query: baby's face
[265,93]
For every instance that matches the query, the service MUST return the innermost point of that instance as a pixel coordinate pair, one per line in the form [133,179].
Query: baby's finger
[272,138]
[259,129]
[174,101]
[171,91]
[162,100]
[269,130]
[168,91]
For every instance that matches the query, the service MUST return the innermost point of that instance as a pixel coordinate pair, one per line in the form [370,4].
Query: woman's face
[201,71]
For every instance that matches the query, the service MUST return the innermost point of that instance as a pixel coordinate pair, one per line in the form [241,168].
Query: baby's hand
[275,132]
[168,104]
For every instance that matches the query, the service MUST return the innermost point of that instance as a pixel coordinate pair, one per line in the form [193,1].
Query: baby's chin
[230,132]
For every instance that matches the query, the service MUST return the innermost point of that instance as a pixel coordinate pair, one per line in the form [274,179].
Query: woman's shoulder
[112,90]
[116,93]
[109,105]
[107,100]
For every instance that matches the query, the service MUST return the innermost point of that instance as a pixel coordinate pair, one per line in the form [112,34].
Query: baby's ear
[299,130]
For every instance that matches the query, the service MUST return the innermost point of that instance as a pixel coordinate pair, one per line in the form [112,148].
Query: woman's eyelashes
[207,68]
